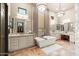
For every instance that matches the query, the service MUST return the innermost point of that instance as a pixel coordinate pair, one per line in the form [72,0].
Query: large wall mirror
[58,28]
[21,26]
[66,27]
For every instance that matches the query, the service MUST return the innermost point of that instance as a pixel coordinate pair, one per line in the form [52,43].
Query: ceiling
[56,7]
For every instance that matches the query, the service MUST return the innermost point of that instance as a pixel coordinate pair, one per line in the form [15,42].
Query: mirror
[58,27]
[20,27]
[66,27]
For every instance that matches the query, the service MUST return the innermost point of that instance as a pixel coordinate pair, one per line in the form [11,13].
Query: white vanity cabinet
[13,43]
[29,42]
[20,41]
[72,37]
[26,41]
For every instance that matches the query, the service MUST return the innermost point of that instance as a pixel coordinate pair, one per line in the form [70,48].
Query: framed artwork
[52,17]
[22,11]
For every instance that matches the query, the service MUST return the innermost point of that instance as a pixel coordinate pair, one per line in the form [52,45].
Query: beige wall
[13,9]
[40,20]
[40,23]
[70,14]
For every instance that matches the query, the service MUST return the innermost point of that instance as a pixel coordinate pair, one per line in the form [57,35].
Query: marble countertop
[65,33]
[16,35]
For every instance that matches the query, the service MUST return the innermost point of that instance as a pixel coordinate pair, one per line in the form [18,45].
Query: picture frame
[52,17]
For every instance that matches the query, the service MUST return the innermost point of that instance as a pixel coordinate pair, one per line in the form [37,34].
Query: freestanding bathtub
[45,41]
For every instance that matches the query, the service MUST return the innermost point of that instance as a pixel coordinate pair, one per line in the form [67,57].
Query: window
[22,11]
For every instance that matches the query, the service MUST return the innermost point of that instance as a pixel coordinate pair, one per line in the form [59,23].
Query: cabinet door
[13,45]
[72,38]
[16,43]
[29,41]
[21,42]
[9,44]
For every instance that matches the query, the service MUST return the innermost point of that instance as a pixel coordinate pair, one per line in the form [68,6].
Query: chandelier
[60,13]
[41,7]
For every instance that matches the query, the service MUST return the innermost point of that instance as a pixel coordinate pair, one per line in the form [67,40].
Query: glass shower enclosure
[3,29]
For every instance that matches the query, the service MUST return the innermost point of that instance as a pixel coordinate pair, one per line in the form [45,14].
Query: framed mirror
[58,27]
[20,27]
[62,27]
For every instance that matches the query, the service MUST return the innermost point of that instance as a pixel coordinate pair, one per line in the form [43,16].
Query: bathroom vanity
[20,41]
[69,35]
[19,32]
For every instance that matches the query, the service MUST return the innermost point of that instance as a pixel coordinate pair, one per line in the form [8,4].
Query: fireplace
[65,37]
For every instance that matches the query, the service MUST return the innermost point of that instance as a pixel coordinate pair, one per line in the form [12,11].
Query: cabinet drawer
[13,44]
[22,42]
[13,48]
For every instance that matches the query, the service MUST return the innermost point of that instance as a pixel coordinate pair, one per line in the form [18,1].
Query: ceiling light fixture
[61,12]
[41,7]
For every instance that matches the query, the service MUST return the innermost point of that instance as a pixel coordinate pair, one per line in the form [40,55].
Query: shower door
[3,29]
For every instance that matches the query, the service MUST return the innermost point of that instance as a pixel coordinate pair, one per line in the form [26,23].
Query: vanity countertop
[67,33]
[16,35]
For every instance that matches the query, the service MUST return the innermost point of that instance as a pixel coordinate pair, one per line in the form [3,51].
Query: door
[3,29]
